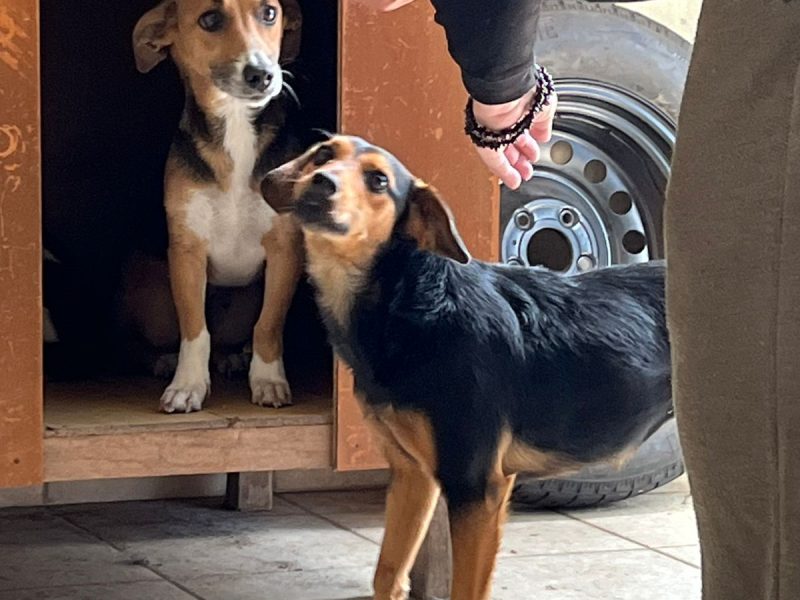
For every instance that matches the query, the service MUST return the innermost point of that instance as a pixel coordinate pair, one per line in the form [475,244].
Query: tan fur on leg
[410,501]
[191,384]
[283,247]
[476,532]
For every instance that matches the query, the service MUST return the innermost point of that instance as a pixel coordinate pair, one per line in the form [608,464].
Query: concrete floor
[322,546]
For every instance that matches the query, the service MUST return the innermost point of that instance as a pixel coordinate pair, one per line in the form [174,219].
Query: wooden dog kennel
[395,84]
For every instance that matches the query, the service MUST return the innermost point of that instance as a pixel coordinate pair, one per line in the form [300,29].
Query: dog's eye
[267,15]
[377,182]
[212,20]
[323,155]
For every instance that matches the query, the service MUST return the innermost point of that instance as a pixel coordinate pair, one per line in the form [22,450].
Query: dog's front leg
[410,503]
[191,384]
[476,531]
[283,248]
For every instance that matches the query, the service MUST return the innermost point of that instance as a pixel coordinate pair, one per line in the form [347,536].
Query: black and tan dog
[229,54]
[469,371]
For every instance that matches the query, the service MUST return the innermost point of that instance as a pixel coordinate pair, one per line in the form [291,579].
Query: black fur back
[574,365]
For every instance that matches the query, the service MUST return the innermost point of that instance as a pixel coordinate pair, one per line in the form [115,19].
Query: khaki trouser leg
[733,250]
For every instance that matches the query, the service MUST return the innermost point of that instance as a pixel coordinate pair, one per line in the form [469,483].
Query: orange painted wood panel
[400,89]
[357,448]
[21,444]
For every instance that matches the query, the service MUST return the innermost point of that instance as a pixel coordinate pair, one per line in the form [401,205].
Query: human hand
[512,164]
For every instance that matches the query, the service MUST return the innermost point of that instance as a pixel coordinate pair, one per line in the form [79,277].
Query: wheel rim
[597,194]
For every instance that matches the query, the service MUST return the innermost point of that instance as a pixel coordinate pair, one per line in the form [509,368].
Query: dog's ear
[153,35]
[292,28]
[430,222]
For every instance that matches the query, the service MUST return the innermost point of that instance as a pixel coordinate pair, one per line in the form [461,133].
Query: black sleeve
[492,42]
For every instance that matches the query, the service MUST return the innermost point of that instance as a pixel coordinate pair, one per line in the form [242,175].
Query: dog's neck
[236,129]
[240,139]
[341,277]
[338,275]
[337,284]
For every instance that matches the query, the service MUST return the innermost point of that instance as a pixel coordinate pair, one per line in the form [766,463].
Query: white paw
[268,383]
[191,384]
[165,366]
[184,399]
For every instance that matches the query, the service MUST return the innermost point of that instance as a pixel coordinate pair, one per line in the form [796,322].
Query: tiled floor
[322,546]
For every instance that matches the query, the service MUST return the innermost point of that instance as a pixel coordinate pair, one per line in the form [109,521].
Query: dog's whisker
[288,73]
[324,132]
[288,88]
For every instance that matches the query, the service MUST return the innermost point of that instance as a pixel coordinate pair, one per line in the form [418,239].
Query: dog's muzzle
[316,203]
[254,77]
[257,77]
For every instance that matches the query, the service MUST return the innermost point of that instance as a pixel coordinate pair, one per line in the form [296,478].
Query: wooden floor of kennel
[398,87]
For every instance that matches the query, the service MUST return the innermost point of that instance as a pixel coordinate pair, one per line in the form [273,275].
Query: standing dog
[229,54]
[470,372]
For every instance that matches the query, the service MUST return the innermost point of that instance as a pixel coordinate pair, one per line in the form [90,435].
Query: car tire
[637,58]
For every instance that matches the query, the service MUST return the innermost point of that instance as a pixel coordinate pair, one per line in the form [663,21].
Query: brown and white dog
[229,54]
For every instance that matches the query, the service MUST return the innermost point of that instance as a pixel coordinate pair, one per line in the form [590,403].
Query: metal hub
[597,194]
[552,234]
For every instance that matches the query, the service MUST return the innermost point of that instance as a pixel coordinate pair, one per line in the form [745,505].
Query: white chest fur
[233,221]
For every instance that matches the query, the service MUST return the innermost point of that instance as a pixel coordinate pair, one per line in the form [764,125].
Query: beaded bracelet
[483,137]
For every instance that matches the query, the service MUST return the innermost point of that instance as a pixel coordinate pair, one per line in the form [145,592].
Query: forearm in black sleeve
[492,42]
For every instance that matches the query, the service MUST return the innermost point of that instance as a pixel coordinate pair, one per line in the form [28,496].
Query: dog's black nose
[323,184]
[257,77]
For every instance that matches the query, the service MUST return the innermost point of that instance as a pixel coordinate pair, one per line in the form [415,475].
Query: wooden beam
[430,577]
[150,454]
[248,492]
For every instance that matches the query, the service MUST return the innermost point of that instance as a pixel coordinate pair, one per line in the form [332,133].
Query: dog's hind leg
[283,247]
[410,503]
[476,530]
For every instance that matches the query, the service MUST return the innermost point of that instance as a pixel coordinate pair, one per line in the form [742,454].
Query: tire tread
[559,493]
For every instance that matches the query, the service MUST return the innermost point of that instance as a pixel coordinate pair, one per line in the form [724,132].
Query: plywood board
[20,247]
[131,406]
[156,453]
[400,89]
[357,447]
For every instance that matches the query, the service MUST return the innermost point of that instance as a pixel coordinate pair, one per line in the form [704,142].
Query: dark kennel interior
[106,130]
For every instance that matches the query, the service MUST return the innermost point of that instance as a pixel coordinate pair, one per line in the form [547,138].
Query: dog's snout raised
[257,77]
[323,183]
